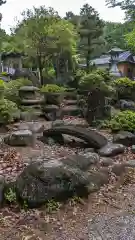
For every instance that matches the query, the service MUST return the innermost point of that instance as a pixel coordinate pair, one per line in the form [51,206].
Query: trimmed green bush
[52,88]
[12,89]
[105,74]
[124,120]
[91,80]
[95,81]
[8,111]
[125,88]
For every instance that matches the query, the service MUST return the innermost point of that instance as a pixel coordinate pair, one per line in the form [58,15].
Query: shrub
[4,74]
[12,89]
[105,74]
[8,111]
[123,121]
[93,81]
[125,88]
[52,88]
[49,73]
[2,88]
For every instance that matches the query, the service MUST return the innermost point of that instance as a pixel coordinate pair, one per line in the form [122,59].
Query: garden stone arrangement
[59,105]
[92,154]
[62,177]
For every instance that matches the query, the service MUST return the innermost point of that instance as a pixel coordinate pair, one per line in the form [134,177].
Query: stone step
[31,101]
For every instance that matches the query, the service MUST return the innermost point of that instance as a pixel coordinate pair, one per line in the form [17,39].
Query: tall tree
[91,28]
[127,5]
[130,39]
[114,33]
[46,37]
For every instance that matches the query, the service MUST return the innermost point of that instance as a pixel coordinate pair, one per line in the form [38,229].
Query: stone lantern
[114,53]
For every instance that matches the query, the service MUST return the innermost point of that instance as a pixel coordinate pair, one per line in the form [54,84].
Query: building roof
[101,60]
[123,57]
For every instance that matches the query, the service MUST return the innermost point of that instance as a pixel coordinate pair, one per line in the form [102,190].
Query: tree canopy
[2,2]
[55,44]
[127,5]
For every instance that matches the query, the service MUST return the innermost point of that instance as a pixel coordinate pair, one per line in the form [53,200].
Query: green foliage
[130,39]
[2,89]
[2,85]
[8,111]
[115,33]
[12,89]
[10,196]
[52,88]
[90,30]
[4,74]
[124,120]
[125,88]
[127,5]
[105,74]
[52,206]
[92,81]
[48,73]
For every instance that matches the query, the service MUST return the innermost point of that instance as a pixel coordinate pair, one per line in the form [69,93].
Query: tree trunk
[39,60]
[88,55]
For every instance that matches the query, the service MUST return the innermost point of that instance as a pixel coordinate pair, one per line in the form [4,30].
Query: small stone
[133,148]
[111,150]
[125,138]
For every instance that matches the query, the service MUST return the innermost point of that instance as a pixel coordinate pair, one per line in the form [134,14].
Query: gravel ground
[112,227]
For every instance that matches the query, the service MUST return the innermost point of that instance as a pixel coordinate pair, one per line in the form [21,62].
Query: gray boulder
[42,181]
[111,150]
[124,137]
[57,179]
[19,138]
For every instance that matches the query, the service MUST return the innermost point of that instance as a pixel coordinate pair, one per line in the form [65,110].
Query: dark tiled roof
[124,56]
[102,60]
[106,59]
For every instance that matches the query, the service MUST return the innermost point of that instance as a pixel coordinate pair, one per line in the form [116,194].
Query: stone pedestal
[31,102]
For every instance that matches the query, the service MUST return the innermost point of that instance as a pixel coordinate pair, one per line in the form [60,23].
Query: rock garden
[61,145]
